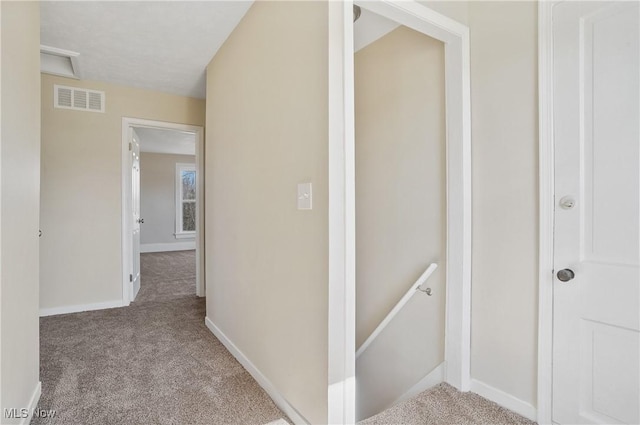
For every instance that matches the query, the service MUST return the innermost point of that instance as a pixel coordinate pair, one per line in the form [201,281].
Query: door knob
[565,275]
[141,220]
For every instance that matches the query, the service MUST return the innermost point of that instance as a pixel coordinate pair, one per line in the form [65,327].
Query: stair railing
[417,286]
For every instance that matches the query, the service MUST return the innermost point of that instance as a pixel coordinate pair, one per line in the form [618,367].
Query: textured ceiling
[166,141]
[157,45]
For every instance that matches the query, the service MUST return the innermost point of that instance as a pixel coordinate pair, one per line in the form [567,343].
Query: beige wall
[504,131]
[456,10]
[81,188]
[505,196]
[400,211]
[20,177]
[158,197]
[505,191]
[267,262]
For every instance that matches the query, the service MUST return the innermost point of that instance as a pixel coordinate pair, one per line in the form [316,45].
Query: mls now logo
[15,413]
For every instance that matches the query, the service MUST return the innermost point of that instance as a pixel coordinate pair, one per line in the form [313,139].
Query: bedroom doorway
[162,209]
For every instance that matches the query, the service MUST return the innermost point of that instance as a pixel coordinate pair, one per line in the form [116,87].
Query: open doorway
[400,198]
[165,215]
[344,401]
[162,210]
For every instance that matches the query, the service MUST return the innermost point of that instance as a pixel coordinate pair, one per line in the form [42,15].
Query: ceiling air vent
[64,63]
[78,99]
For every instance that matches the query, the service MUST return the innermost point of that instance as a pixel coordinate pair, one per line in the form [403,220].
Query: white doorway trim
[127,249]
[546,208]
[341,401]
[455,36]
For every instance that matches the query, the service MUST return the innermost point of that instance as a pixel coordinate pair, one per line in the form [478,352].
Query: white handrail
[405,299]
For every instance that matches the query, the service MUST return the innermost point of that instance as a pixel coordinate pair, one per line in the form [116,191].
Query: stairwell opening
[401,229]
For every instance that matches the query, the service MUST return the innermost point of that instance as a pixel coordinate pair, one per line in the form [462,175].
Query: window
[185,200]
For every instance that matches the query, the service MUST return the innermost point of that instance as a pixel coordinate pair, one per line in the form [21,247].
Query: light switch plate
[305,196]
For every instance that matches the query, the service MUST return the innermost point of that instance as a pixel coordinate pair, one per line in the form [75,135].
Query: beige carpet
[444,405]
[156,363]
[151,363]
[166,276]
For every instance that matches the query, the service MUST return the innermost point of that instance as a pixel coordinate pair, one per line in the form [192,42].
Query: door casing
[127,245]
[341,326]
[546,210]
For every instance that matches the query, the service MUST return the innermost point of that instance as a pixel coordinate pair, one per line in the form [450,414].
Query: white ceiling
[157,45]
[166,141]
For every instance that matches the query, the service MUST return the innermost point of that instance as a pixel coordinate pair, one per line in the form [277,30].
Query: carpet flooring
[166,276]
[153,362]
[442,405]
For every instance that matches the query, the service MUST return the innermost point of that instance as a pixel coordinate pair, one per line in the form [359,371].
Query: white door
[135,208]
[596,339]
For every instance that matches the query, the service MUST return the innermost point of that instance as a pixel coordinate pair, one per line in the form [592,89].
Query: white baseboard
[505,400]
[166,247]
[262,380]
[33,403]
[432,379]
[79,308]
[135,288]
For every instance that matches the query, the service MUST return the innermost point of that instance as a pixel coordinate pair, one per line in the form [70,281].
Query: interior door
[596,339]
[135,208]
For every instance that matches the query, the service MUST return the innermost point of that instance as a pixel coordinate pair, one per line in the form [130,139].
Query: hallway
[153,362]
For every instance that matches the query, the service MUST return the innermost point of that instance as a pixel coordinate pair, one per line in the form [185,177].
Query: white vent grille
[96,101]
[64,97]
[78,99]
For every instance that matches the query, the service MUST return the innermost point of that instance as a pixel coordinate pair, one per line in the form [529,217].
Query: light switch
[304,196]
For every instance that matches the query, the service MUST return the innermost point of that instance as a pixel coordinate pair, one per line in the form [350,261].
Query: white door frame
[127,244]
[455,36]
[546,209]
